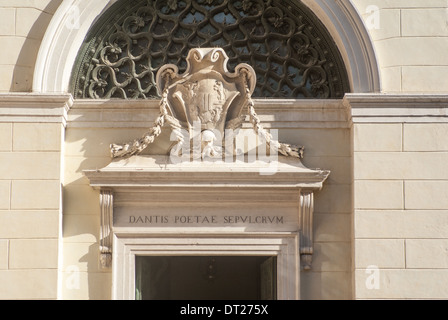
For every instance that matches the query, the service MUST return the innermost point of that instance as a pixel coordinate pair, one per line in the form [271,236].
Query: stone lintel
[155,196]
[158,172]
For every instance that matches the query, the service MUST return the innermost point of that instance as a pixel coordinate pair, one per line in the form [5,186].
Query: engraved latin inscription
[209,219]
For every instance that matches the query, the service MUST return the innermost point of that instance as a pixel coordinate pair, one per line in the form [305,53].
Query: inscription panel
[282,218]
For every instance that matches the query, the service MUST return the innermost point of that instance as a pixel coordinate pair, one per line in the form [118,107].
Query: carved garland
[137,146]
[141,144]
[283,148]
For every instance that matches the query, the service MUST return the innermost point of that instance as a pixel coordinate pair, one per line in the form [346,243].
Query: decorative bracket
[106,203]
[306,212]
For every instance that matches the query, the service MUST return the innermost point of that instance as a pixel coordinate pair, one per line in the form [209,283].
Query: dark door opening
[206,278]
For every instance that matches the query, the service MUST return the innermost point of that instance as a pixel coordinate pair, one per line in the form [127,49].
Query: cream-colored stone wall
[330,276]
[86,148]
[400,222]
[410,38]
[30,199]
[23,25]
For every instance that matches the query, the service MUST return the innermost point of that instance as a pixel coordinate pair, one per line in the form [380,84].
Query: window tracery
[290,50]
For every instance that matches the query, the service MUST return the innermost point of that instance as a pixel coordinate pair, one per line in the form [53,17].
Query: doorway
[205,277]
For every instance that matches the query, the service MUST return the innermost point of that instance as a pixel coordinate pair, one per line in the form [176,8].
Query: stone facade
[380,221]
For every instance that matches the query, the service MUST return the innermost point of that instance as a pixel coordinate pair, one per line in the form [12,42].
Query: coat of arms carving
[205,101]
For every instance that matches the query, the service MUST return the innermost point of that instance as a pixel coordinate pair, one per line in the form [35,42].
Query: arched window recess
[291,51]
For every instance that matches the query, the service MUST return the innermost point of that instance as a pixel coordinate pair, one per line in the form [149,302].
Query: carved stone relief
[206,104]
[208,95]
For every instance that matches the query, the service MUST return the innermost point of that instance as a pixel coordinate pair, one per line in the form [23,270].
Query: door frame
[285,246]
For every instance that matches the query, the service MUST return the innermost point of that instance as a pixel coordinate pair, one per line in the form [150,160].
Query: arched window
[290,50]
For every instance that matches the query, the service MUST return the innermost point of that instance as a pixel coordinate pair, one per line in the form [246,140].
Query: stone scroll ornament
[206,93]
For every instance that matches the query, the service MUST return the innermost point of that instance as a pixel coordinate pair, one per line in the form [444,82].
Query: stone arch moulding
[72,21]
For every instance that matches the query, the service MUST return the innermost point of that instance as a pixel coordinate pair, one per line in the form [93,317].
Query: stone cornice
[31,107]
[381,108]
[274,113]
[157,172]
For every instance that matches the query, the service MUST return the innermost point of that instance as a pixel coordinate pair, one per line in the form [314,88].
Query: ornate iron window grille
[290,50]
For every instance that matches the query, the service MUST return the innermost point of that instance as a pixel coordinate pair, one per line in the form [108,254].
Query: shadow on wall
[97,280]
[29,36]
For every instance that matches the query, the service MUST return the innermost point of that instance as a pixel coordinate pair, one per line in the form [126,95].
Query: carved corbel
[306,211]
[106,203]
